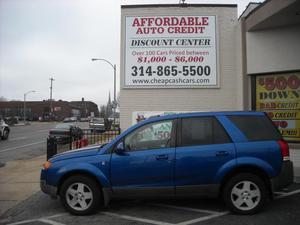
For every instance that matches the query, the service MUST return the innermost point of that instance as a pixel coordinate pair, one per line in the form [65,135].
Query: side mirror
[120,150]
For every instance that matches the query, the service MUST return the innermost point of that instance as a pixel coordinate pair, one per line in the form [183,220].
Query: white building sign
[170,51]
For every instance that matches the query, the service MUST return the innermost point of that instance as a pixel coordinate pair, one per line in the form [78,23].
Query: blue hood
[82,152]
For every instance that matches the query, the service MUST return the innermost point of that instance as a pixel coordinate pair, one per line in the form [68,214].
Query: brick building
[41,109]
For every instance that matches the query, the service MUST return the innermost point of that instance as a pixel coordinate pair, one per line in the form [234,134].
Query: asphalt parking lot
[40,210]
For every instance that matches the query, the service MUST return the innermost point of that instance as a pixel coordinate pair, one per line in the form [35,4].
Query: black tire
[241,199]
[89,186]
[5,134]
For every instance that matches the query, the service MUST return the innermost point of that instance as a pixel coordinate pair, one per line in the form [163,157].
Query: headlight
[47,165]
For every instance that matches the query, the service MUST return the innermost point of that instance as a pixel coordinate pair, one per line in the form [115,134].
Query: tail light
[285,152]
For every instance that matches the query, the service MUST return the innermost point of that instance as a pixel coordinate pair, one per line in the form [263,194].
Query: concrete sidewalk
[19,180]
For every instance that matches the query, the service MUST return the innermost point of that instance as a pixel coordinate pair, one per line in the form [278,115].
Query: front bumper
[48,189]
[285,178]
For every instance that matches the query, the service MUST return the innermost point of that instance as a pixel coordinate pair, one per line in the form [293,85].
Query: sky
[40,39]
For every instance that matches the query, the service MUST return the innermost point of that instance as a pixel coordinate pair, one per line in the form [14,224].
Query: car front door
[146,167]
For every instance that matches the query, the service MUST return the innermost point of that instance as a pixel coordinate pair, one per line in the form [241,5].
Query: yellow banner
[290,133]
[284,115]
[275,105]
[279,96]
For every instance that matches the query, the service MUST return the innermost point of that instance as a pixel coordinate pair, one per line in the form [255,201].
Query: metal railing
[88,137]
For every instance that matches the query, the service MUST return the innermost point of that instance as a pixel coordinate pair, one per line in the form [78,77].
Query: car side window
[150,136]
[202,131]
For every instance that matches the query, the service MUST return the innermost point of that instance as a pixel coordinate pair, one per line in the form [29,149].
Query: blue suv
[238,156]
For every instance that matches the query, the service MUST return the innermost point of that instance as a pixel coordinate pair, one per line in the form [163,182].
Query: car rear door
[147,165]
[203,148]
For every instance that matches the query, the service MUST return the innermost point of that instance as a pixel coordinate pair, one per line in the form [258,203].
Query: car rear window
[256,128]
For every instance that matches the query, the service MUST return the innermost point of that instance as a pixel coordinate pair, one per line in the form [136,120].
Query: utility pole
[51,86]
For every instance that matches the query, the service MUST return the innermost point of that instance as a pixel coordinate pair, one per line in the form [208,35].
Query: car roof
[195,114]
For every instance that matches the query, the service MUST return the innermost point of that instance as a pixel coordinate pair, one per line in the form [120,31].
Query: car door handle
[161,157]
[221,153]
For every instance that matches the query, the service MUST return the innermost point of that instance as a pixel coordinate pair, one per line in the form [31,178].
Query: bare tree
[118,99]
[102,112]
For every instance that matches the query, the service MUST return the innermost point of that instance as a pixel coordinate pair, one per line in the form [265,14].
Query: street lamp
[25,103]
[115,69]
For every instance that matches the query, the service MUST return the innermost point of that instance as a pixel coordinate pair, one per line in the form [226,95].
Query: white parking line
[213,214]
[56,215]
[201,219]
[136,219]
[50,222]
[188,209]
[43,219]
[23,146]
[24,221]
[287,194]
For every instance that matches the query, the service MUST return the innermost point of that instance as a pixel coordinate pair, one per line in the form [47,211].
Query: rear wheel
[80,195]
[245,193]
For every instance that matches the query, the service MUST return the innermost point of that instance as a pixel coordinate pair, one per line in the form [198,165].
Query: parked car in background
[67,120]
[84,119]
[64,131]
[4,130]
[97,124]
[238,156]
[70,119]
[12,120]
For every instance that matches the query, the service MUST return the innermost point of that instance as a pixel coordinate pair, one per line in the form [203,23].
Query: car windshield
[63,126]
[97,120]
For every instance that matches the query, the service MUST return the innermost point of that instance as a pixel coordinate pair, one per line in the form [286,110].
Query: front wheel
[245,193]
[80,195]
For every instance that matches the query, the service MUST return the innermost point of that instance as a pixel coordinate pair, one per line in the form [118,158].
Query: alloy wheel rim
[245,195]
[79,196]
